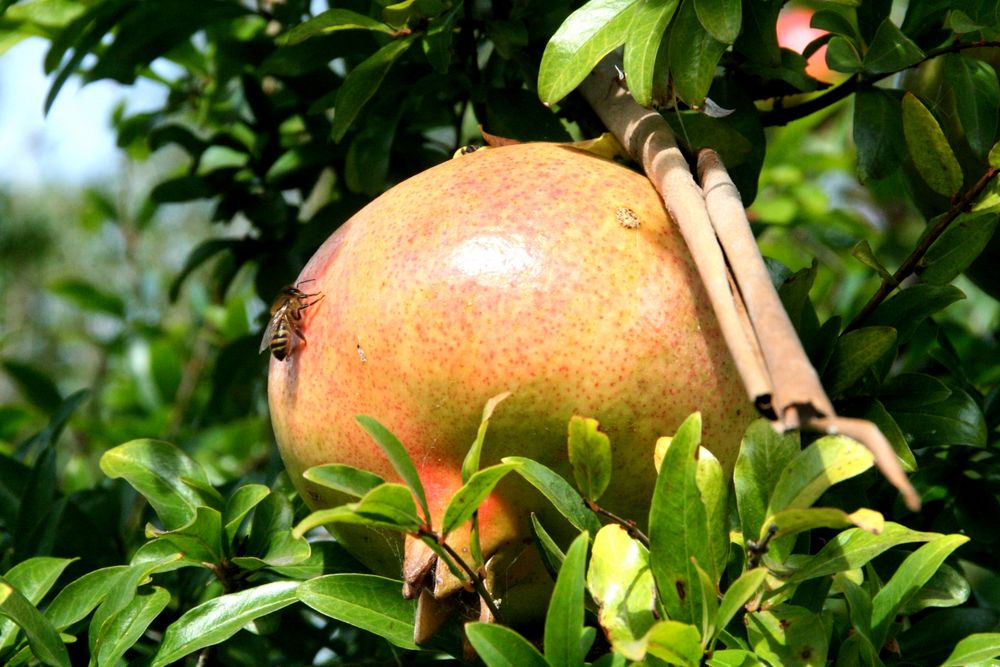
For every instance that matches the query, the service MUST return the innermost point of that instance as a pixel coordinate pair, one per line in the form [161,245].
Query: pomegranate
[537,269]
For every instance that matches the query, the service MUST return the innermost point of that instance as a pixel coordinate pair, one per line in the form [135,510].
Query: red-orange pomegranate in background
[537,269]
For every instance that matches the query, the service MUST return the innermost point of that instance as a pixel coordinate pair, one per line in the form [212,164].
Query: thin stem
[628,524]
[910,264]
[785,115]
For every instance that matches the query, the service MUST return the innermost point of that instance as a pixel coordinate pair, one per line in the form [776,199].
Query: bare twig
[712,215]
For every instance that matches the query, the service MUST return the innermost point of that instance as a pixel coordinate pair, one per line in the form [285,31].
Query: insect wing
[272,326]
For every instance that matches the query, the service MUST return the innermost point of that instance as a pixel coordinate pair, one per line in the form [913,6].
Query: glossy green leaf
[32,578]
[621,583]
[499,646]
[389,504]
[960,244]
[238,506]
[362,83]
[842,55]
[945,588]
[81,596]
[199,539]
[915,571]
[590,456]
[876,413]
[976,648]
[437,42]
[271,541]
[466,500]
[693,55]
[564,618]
[957,420]
[325,557]
[788,635]
[558,491]
[859,604]
[913,390]
[833,21]
[333,20]
[793,521]
[365,601]
[675,642]
[732,658]
[891,50]
[929,148]
[220,618]
[816,468]
[738,594]
[471,463]
[977,99]
[762,458]
[344,478]
[45,643]
[678,530]
[586,36]
[856,353]
[854,547]
[123,589]
[131,623]
[911,306]
[399,458]
[878,133]
[642,45]
[157,469]
[721,18]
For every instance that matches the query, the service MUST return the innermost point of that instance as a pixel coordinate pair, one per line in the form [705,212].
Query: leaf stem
[910,264]
[628,524]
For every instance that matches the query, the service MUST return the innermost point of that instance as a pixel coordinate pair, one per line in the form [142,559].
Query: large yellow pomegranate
[536,269]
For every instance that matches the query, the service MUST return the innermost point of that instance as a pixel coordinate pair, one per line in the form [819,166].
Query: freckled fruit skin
[508,269]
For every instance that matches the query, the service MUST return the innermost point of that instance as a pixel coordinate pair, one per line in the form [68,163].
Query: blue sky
[74,144]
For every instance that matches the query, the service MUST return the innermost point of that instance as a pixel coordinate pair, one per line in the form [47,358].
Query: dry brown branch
[712,215]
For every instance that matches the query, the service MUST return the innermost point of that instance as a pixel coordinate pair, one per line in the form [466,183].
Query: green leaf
[793,521]
[333,20]
[466,500]
[590,456]
[365,601]
[878,133]
[32,578]
[738,594]
[856,353]
[675,642]
[915,571]
[913,390]
[220,618]
[621,583]
[980,647]
[816,468]
[890,50]
[859,604]
[733,658]
[200,539]
[693,55]
[932,155]
[271,542]
[37,387]
[558,491]
[564,618]
[762,458]
[959,245]
[42,636]
[499,646]
[471,463]
[721,18]
[977,99]
[854,547]
[552,555]
[157,470]
[243,500]
[789,636]
[678,526]
[642,45]
[399,459]
[842,55]
[946,588]
[957,420]
[876,413]
[438,39]
[344,478]
[911,306]
[389,504]
[131,623]
[586,36]
[80,597]
[362,83]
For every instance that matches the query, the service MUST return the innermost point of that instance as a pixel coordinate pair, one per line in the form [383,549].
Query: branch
[764,345]
[910,264]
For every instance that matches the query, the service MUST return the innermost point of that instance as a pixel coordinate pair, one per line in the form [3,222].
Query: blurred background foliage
[135,308]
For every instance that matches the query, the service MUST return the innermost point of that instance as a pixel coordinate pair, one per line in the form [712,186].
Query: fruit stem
[628,524]
[474,577]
